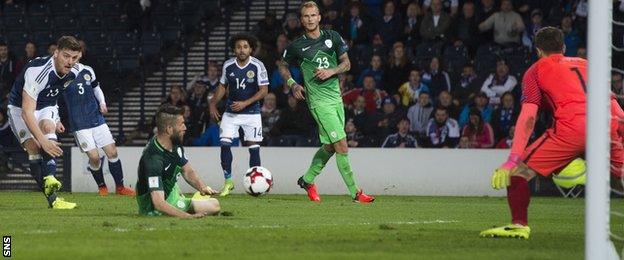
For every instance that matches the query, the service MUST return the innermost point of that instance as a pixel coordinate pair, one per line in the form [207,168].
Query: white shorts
[93,138]
[251,124]
[18,125]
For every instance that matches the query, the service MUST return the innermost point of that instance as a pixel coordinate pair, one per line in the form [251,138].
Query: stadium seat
[150,44]
[39,23]
[125,49]
[87,8]
[17,36]
[109,7]
[42,37]
[127,63]
[13,10]
[455,58]
[486,57]
[91,22]
[122,37]
[115,23]
[14,23]
[164,8]
[61,7]
[95,36]
[65,23]
[39,9]
[425,51]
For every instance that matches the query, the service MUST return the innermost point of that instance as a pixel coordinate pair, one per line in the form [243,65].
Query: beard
[177,138]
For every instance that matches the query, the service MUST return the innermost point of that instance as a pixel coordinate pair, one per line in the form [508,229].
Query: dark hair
[3,44]
[251,40]
[166,116]
[68,43]
[441,108]
[479,128]
[550,40]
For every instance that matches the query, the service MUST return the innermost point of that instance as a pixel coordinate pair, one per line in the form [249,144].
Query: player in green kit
[322,55]
[163,161]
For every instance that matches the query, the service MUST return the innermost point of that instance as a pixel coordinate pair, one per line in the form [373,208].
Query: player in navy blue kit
[86,105]
[33,109]
[246,80]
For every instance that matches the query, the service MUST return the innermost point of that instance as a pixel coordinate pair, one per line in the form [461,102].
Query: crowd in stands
[430,73]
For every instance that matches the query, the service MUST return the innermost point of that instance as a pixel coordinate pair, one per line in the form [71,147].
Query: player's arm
[29,105]
[158,200]
[282,67]
[192,178]
[97,91]
[216,98]
[240,105]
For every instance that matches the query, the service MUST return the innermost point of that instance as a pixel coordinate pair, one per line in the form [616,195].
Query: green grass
[288,227]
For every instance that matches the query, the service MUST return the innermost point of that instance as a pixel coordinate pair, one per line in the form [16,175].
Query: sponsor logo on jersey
[47,87]
[251,74]
[328,43]
[87,77]
[306,48]
[232,74]
[167,168]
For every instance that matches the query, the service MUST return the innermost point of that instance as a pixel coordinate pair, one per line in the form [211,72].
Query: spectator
[617,87]
[390,24]
[292,27]
[194,127]
[479,133]
[445,99]
[51,48]
[365,53]
[410,91]
[498,83]
[435,78]
[331,20]
[506,142]
[486,8]
[450,6]
[464,143]
[30,52]
[176,97]
[270,115]
[402,138]
[508,25]
[505,115]
[279,87]
[412,21]
[468,85]
[535,25]
[356,26]
[267,29]
[398,68]
[466,28]
[354,137]
[387,119]
[571,36]
[375,71]
[7,70]
[292,128]
[435,25]
[371,94]
[211,78]
[197,100]
[481,103]
[419,115]
[358,114]
[443,132]
[582,51]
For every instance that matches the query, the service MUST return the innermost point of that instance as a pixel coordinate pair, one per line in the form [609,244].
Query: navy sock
[35,170]
[114,166]
[226,159]
[254,155]
[48,165]
[98,176]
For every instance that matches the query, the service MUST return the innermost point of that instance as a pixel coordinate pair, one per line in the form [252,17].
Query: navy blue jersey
[82,106]
[41,82]
[243,83]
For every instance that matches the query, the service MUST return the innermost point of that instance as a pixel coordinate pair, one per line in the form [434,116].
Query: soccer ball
[571,175]
[257,181]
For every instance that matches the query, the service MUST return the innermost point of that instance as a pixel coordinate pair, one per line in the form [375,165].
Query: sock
[114,165]
[36,163]
[97,175]
[347,175]
[48,165]
[226,159]
[318,163]
[254,155]
[518,197]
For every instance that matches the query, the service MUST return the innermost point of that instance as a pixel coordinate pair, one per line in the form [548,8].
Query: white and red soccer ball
[257,181]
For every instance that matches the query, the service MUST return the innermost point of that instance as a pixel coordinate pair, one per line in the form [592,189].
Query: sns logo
[6,246]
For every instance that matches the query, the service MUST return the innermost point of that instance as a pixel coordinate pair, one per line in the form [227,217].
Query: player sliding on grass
[85,103]
[247,82]
[557,83]
[317,52]
[33,112]
[163,161]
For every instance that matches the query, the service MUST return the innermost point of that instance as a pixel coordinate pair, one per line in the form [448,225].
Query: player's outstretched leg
[36,163]
[114,165]
[226,165]
[254,155]
[342,160]
[48,168]
[319,161]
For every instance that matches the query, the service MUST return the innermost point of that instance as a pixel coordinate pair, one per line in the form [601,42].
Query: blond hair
[309,4]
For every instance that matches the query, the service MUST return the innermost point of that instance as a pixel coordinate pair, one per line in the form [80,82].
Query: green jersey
[159,169]
[320,53]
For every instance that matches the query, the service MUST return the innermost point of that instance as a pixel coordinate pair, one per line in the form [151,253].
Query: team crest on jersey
[328,43]
[87,77]
[22,133]
[251,74]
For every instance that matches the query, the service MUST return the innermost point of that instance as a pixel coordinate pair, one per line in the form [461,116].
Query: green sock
[345,170]
[318,163]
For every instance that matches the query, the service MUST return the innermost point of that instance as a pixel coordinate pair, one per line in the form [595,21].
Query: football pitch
[289,227]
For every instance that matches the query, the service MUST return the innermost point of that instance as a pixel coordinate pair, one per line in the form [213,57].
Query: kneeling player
[86,104]
[558,83]
[162,163]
